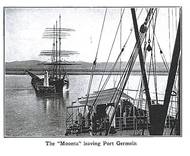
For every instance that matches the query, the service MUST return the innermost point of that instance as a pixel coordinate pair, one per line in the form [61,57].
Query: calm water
[29,116]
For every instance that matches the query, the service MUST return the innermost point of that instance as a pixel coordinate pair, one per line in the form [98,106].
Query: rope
[111,48]
[101,33]
[154,65]
[130,68]
[108,79]
[125,74]
[124,79]
[140,91]
[169,32]
[164,59]
[121,51]
[161,52]
[94,63]
[140,86]
[150,65]
[173,26]
[176,18]
[120,43]
[153,55]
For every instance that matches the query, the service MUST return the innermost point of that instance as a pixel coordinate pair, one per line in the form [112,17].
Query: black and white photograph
[98,72]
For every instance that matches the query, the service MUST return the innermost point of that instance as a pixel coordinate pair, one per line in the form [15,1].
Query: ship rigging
[55,78]
[107,111]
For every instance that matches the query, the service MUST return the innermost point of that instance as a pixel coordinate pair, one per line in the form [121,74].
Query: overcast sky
[24,28]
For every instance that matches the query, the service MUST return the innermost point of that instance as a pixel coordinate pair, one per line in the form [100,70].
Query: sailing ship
[55,77]
[106,111]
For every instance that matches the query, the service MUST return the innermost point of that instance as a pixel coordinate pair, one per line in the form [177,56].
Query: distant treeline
[38,67]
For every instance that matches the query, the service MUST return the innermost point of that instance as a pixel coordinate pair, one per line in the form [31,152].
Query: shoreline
[80,72]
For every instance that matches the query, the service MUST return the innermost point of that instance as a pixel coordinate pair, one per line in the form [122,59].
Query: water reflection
[54,109]
[32,116]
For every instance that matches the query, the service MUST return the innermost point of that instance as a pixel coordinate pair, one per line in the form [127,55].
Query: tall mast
[59,67]
[56,33]
[130,64]
[141,58]
[53,53]
[178,125]
[158,113]
[56,54]
[172,72]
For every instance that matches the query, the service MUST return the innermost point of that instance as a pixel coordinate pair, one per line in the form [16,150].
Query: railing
[131,123]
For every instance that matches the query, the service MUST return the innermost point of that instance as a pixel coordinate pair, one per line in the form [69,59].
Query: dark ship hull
[55,85]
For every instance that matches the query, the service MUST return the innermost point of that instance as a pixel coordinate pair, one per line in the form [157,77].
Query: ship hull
[55,85]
